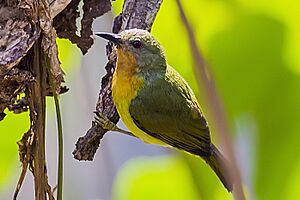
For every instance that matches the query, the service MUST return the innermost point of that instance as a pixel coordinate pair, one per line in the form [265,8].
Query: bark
[135,14]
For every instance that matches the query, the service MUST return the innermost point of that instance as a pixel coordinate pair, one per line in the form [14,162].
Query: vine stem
[60,149]
[60,137]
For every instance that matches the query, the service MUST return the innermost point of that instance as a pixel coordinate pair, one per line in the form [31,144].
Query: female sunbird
[156,103]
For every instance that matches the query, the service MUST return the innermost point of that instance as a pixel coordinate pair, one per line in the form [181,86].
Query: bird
[156,104]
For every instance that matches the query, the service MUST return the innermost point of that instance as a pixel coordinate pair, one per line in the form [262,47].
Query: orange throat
[125,86]
[125,83]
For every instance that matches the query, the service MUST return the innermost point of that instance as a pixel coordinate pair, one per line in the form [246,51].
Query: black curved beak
[114,38]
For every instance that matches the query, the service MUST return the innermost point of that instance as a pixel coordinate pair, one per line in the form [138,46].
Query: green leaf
[157,178]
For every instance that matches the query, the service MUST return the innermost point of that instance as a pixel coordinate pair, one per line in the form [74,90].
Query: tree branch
[135,14]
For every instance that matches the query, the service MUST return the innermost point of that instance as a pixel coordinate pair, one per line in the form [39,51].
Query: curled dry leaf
[65,22]
[17,35]
[10,88]
[49,44]
[12,84]
[56,6]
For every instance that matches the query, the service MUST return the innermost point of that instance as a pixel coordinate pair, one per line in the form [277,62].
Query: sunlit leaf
[157,178]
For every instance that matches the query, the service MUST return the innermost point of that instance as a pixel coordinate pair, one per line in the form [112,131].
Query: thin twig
[25,150]
[214,104]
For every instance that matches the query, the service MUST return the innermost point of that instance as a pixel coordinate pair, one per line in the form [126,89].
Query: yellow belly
[122,96]
[124,89]
[123,110]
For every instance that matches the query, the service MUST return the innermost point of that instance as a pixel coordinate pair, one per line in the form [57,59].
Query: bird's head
[140,45]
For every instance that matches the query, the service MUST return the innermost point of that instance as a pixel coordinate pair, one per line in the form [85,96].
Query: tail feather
[220,166]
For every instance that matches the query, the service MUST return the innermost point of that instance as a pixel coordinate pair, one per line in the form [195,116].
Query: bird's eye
[137,44]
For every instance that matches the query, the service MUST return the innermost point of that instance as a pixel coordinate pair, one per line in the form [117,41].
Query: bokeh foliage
[11,130]
[252,48]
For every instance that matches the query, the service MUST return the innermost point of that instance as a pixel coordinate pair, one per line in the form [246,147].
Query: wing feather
[167,110]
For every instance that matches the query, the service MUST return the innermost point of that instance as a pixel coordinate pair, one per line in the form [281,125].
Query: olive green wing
[167,110]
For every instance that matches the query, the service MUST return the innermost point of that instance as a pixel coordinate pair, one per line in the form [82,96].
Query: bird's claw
[105,123]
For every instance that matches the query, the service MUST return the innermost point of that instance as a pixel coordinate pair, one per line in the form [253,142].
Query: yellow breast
[125,85]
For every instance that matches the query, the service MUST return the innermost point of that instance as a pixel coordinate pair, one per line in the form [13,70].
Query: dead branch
[135,14]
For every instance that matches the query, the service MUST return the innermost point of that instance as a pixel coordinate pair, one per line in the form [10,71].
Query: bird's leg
[105,123]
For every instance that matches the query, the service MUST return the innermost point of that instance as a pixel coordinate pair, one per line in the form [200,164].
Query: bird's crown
[141,44]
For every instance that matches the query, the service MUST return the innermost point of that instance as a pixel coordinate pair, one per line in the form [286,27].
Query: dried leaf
[65,22]
[57,6]
[12,84]
[17,35]
[49,44]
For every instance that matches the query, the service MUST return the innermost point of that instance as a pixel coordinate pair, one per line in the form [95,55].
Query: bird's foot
[105,123]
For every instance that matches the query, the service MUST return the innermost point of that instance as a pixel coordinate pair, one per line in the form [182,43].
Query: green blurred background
[252,48]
